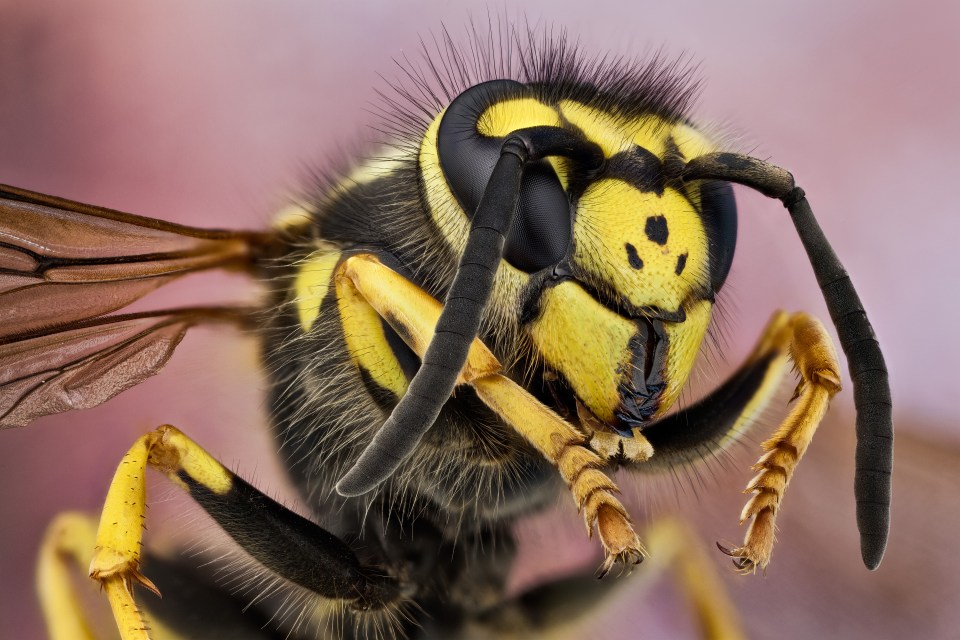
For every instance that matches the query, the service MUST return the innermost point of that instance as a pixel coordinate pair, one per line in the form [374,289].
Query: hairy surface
[471,476]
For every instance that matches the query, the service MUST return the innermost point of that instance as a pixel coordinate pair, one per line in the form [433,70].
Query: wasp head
[618,263]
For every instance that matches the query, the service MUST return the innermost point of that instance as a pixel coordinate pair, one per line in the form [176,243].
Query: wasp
[501,307]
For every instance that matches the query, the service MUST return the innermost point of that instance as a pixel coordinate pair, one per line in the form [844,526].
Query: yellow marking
[506,116]
[293,215]
[684,339]
[651,133]
[174,451]
[443,206]
[69,540]
[616,134]
[691,142]
[363,332]
[311,284]
[607,130]
[612,214]
[410,310]
[587,343]
[371,169]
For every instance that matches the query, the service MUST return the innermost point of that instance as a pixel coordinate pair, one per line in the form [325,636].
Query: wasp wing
[82,365]
[63,262]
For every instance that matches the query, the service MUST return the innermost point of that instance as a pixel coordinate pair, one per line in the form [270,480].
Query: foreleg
[720,419]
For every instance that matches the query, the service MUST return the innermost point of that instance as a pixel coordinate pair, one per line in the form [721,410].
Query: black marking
[657,229]
[640,392]
[632,256]
[696,431]
[384,398]
[681,263]
[639,168]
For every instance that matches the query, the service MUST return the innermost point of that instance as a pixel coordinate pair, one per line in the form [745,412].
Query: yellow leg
[69,541]
[563,445]
[408,309]
[815,358]
[678,549]
[413,314]
[116,558]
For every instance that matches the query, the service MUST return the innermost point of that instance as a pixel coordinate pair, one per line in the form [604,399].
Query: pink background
[210,114]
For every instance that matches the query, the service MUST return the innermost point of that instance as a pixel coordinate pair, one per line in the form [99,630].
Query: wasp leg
[555,605]
[194,606]
[565,447]
[68,541]
[676,547]
[366,283]
[287,544]
[720,418]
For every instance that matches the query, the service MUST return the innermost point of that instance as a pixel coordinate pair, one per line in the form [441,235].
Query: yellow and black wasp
[502,306]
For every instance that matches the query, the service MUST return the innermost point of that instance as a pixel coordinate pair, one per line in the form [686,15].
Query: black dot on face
[681,263]
[632,256]
[657,229]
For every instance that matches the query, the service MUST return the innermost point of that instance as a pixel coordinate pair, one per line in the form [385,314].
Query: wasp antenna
[459,321]
[867,368]
[457,326]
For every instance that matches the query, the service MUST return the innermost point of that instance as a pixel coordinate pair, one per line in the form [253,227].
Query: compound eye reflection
[540,232]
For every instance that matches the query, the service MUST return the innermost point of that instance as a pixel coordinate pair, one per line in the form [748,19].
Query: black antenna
[871,387]
[463,308]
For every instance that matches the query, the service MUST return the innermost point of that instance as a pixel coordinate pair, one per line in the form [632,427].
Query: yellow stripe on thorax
[366,341]
[311,284]
[363,330]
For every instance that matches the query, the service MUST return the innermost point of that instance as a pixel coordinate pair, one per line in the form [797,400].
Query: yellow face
[621,317]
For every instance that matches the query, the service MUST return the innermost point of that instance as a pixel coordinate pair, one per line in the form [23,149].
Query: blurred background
[213,113]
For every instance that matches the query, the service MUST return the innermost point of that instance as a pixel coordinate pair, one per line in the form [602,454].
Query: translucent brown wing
[88,363]
[63,261]
[63,267]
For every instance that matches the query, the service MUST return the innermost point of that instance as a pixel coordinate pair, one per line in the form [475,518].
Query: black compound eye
[541,229]
[720,218]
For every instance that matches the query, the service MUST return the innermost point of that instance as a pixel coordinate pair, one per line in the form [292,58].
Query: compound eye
[720,218]
[541,229]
